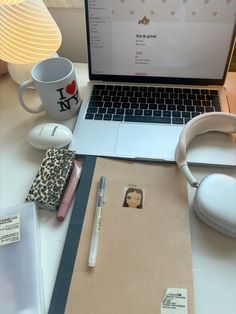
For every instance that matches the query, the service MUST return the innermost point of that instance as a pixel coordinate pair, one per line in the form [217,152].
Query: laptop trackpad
[158,142]
[147,141]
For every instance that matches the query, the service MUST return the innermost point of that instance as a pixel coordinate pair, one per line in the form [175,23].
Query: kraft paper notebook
[142,251]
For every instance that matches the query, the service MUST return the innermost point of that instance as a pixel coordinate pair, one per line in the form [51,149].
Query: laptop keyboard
[150,104]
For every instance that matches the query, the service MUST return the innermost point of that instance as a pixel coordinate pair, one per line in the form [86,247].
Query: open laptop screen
[183,41]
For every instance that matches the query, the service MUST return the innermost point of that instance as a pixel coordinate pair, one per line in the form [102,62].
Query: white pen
[97,222]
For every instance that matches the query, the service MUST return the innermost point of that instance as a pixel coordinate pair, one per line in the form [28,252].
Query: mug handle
[21,89]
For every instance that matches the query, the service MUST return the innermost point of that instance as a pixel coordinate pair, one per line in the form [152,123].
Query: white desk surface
[214,255]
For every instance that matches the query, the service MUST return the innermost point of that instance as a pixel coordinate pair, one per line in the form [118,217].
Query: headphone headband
[214,121]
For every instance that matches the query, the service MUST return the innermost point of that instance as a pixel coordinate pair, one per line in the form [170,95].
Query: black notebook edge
[65,270]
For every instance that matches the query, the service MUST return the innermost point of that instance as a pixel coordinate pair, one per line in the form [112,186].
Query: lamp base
[22,72]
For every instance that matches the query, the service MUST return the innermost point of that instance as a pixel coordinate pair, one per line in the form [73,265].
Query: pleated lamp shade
[28,33]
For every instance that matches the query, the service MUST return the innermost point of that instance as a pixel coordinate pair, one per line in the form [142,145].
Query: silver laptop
[154,65]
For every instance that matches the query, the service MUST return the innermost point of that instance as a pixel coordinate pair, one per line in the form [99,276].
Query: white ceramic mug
[55,82]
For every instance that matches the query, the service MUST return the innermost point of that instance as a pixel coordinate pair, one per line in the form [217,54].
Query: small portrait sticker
[133,197]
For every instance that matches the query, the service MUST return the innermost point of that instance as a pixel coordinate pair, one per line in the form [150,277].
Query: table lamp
[28,34]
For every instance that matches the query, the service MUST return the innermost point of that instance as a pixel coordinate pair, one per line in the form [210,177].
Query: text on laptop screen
[161,38]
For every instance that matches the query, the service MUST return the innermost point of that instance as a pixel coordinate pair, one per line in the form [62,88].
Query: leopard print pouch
[51,180]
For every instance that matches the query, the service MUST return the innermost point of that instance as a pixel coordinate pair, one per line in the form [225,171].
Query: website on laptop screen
[161,38]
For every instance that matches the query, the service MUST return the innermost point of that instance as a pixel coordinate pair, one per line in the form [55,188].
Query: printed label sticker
[10,229]
[174,301]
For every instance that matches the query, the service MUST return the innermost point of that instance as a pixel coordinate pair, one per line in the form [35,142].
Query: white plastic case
[20,266]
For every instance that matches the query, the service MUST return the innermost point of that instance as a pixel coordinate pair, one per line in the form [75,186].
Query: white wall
[71,22]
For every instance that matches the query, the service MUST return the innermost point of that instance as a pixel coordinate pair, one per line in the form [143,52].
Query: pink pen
[70,190]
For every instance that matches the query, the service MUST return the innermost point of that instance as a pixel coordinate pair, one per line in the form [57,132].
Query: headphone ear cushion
[215,203]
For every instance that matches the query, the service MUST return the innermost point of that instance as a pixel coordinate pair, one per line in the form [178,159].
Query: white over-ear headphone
[215,198]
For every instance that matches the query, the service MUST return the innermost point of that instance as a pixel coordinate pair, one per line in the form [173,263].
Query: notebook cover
[20,264]
[142,251]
